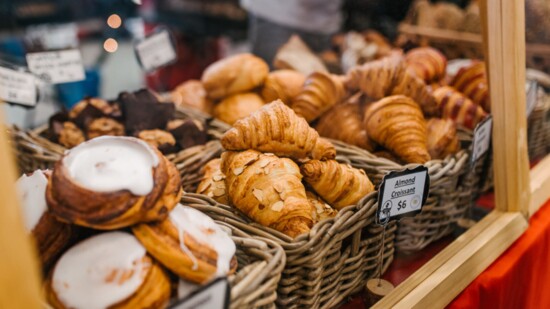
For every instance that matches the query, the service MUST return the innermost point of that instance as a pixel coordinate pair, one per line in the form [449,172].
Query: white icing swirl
[32,194]
[204,230]
[100,271]
[113,163]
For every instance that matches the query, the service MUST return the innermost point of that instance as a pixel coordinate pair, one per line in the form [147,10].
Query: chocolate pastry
[161,139]
[190,133]
[143,111]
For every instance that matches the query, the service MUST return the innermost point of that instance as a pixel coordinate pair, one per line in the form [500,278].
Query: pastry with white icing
[50,235]
[109,270]
[190,244]
[111,182]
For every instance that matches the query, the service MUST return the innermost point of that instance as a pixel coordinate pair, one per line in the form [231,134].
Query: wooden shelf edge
[539,185]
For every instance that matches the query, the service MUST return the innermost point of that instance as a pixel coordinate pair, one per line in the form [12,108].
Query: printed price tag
[531,96]
[57,67]
[214,295]
[482,138]
[155,51]
[17,87]
[402,194]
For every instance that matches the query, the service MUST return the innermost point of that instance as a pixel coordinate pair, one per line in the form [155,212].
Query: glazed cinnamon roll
[190,244]
[109,270]
[111,182]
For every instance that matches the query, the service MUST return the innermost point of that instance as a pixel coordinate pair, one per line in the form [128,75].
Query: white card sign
[482,138]
[155,51]
[214,295]
[57,67]
[402,194]
[17,87]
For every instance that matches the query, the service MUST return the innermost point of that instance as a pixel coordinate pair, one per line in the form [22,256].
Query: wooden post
[19,275]
[504,40]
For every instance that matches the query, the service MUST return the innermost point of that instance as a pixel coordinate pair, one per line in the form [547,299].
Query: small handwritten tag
[57,67]
[17,87]
[214,295]
[531,97]
[482,138]
[402,194]
[155,51]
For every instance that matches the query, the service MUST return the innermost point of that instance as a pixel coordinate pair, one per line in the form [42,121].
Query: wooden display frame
[518,192]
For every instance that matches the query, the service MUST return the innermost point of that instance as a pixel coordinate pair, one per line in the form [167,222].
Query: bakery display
[319,93]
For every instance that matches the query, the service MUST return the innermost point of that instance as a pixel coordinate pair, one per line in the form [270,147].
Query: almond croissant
[339,184]
[320,92]
[277,129]
[442,138]
[268,189]
[213,182]
[397,123]
[456,106]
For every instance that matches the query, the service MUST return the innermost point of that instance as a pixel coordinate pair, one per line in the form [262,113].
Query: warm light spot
[114,21]
[110,45]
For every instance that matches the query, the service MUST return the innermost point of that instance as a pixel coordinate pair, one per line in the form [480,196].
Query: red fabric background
[520,278]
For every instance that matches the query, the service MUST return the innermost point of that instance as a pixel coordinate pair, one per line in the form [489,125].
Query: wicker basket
[324,266]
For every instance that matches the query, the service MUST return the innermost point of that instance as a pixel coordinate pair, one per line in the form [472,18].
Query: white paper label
[531,97]
[482,138]
[57,67]
[213,296]
[403,193]
[17,87]
[155,51]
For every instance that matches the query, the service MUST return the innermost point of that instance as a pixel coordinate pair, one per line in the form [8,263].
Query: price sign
[17,87]
[482,138]
[214,295]
[402,194]
[57,67]
[155,51]
[532,96]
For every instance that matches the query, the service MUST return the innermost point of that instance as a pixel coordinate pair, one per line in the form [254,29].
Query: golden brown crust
[296,55]
[192,94]
[51,237]
[397,123]
[98,103]
[442,138]
[284,85]
[157,137]
[235,74]
[237,106]
[70,136]
[277,129]
[320,92]
[105,126]
[426,63]
[321,210]
[213,182]
[456,106]
[472,82]
[269,190]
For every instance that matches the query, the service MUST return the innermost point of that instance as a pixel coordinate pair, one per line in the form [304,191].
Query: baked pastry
[104,126]
[237,106]
[442,138]
[143,111]
[70,135]
[112,182]
[235,74]
[213,182]
[321,210]
[101,105]
[109,270]
[426,63]
[456,106]
[339,184]
[472,81]
[284,85]
[163,140]
[277,129]
[268,190]
[320,92]
[50,235]
[344,122]
[190,244]
[415,88]
[192,94]
[188,132]
[397,123]
[296,55]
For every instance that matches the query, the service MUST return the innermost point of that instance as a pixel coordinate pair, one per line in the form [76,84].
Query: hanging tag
[17,87]
[482,138]
[214,295]
[57,67]
[156,50]
[402,194]
[531,96]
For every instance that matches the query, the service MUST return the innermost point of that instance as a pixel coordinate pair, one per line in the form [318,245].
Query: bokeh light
[110,45]
[114,21]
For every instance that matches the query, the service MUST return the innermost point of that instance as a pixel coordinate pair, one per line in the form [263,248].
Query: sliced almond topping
[205,187]
[259,171]
[264,162]
[238,170]
[217,177]
[219,192]
[259,194]
[278,187]
[278,206]
[269,154]
[210,194]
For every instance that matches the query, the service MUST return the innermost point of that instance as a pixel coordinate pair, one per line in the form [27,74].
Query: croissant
[283,85]
[456,106]
[277,129]
[238,73]
[414,88]
[109,270]
[426,63]
[343,122]
[269,190]
[192,94]
[397,123]
[213,182]
[296,55]
[320,92]
[321,210]
[442,138]
[190,244]
[112,182]
[339,184]
[237,106]
[472,81]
